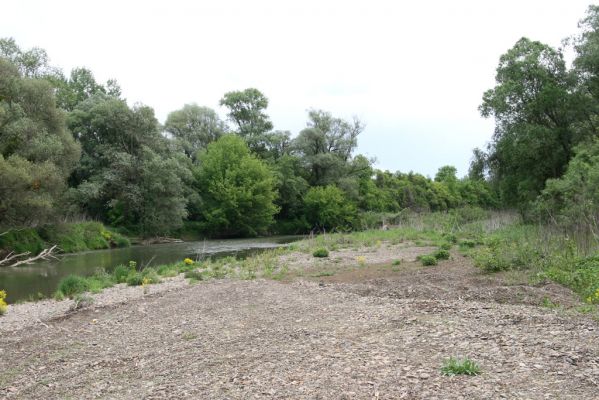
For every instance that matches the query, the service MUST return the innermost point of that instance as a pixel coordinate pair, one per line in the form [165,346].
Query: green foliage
[327,208]
[72,285]
[428,260]
[121,273]
[455,366]
[534,108]
[238,190]
[441,254]
[246,111]
[22,241]
[3,305]
[194,128]
[320,252]
[134,278]
[573,199]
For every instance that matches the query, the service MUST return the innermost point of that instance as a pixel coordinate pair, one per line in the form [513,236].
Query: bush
[81,301]
[428,260]
[445,246]
[72,285]
[134,278]
[441,254]
[320,252]
[120,273]
[150,276]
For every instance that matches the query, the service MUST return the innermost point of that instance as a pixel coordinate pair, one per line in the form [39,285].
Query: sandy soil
[372,332]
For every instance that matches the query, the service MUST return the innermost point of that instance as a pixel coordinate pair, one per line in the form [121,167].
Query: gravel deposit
[367,333]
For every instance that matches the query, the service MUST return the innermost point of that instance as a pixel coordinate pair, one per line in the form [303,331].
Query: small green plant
[361,261]
[59,296]
[428,260]
[450,237]
[81,300]
[3,305]
[189,336]
[323,273]
[72,285]
[468,243]
[441,254]
[397,262]
[321,252]
[194,275]
[445,246]
[547,303]
[120,273]
[134,278]
[455,366]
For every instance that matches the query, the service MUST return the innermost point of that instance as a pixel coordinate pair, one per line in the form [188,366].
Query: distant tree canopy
[72,147]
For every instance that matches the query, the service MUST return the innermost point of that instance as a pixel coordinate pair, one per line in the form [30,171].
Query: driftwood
[14,260]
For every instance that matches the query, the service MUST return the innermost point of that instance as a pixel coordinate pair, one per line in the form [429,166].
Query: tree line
[72,148]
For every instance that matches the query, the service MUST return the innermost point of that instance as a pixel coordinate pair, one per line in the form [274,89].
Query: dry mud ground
[372,332]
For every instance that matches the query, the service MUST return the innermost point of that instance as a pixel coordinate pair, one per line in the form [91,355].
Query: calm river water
[43,277]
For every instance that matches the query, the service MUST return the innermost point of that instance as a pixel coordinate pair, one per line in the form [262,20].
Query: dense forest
[72,149]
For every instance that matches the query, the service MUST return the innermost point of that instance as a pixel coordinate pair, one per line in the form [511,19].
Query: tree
[327,208]
[194,127]
[33,63]
[326,146]
[533,107]
[37,151]
[81,86]
[237,189]
[246,111]
[128,176]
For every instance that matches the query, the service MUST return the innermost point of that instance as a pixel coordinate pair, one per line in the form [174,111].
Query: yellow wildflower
[188,261]
[3,305]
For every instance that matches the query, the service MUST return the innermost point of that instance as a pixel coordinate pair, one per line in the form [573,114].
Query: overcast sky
[413,71]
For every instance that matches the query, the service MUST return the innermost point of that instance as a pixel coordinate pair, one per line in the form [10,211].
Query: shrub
[396,262]
[456,366]
[468,243]
[194,275]
[134,278]
[450,238]
[320,252]
[441,254]
[72,285]
[445,246]
[428,260]
[120,273]
[3,305]
[81,300]
[150,276]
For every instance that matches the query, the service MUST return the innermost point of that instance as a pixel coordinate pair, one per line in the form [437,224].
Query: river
[43,277]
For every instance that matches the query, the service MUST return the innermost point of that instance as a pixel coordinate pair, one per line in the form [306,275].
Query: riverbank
[368,321]
[69,237]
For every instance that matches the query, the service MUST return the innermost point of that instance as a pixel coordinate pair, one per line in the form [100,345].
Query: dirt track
[366,333]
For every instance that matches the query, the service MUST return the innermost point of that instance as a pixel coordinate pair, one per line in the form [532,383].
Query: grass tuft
[455,366]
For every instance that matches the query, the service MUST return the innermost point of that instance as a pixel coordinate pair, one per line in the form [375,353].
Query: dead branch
[46,254]
[12,256]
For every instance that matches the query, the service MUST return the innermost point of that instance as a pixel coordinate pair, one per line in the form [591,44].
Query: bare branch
[46,254]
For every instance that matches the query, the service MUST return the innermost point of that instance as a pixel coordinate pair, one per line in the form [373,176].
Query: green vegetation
[428,260]
[69,238]
[3,305]
[71,146]
[73,284]
[455,366]
[441,254]
[321,252]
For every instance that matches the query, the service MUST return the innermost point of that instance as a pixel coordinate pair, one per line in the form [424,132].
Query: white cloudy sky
[413,71]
